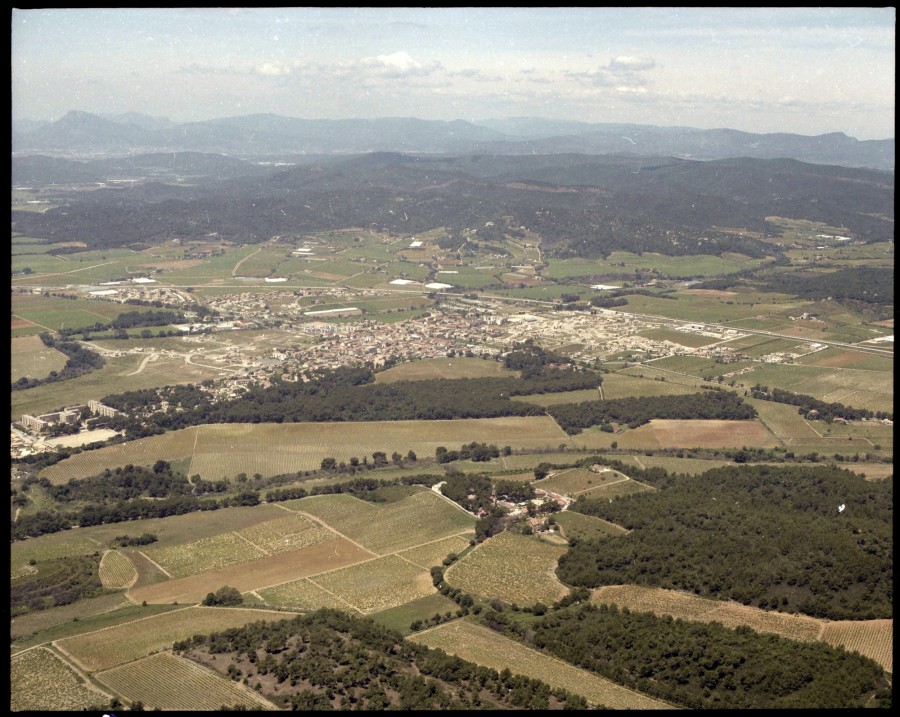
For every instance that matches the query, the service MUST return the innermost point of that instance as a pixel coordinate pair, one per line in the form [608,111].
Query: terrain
[465,426]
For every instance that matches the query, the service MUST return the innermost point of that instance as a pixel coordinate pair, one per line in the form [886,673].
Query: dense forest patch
[773,537]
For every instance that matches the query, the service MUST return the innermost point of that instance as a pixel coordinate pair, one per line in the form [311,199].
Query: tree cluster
[813,408]
[770,536]
[573,417]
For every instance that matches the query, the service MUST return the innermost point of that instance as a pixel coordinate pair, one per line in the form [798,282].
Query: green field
[457,367]
[401,617]
[386,528]
[273,449]
[585,527]
[554,399]
[682,338]
[515,568]
[852,387]
[573,481]
[621,385]
[30,357]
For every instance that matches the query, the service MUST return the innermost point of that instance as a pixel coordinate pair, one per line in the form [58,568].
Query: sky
[802,70]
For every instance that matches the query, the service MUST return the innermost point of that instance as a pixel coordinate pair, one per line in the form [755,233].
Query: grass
[483,646]
[682,338]
[29,357]
[401,617]
[40,620]
[852,387]
[554,399]
[448,368]
[514,568]
[573,481]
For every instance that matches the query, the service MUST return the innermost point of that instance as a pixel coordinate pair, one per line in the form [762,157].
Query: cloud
[626,63]
[398,64]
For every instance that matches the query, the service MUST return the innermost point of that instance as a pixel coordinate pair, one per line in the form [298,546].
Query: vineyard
[485,647]
[285,534]
[116,571]
[410,522]
[377,584]
[621,385]
[168,682]
[40,681]
[577,480]
[586,527]
[432,554]
[872,638]
[113,646]
[257,574]
[515,568]
[686,606]
[301,594]
[205,554]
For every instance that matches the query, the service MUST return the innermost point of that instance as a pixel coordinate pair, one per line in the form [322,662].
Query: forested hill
[773,537]
[579,205]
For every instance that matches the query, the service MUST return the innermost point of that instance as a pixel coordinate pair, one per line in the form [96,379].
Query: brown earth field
[256,574]
[710,434]
[20,323]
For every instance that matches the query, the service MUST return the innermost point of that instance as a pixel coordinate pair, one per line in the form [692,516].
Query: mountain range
[273,136]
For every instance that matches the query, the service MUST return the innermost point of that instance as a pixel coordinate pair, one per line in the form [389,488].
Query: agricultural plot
[692,365]
[693,308]
[401,617]
[872,471]
[256,574]
[686,606]
[838,358]
[113,646]
[622,385]
[871,638]
[410,522]
[785,422]
[458,367]
[852,387]
[433,554]
[302,594]
[578,480]
[377,585]
[483,646]
[661,433]
[515,568]
[33,622]
[673,464]
[682,338]
[272,449]
[40,681]
[46,547]
[554,399]
[585,527]
[530,460]
[169,682]
[29,357]
[284,534]
[116,571]
[617,489]
[202,555]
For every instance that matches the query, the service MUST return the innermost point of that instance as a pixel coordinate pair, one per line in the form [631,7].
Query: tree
[329,464]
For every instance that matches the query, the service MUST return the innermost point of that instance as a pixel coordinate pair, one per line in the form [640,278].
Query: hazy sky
[802,70]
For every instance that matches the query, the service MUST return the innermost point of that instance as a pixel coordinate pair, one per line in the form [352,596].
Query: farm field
[256,574]
[41,681]
[33,622]
[669,433]
[169,682]
[29,357]
[585,527]
[673,464]
[218,450]
[303,594]
[387,528]
[687,606]
[872,638]
[621,385]
[430,555]
[850,386]
[46,632]
[682,338]
[55,545]
[377,585]
[202,555]
[113,646]
[574,481]
[872,471]
[483,646]
[515,568]
[784,421]
[457,367]
[401,617]
[554,399]
[116,571]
